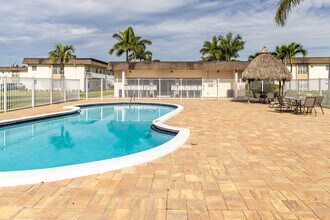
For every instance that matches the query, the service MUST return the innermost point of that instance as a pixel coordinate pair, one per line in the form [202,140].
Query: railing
[177,88]
[17,93]
[311,87]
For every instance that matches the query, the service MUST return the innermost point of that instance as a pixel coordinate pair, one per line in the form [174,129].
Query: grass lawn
[23,99]
[96,94]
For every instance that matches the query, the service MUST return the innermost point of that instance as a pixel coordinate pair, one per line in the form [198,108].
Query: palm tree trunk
[126,55]
[62,70]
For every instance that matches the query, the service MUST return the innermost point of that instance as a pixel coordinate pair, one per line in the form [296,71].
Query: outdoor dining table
[297,103]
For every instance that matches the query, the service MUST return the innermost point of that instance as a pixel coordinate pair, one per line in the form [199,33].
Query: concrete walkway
[242,161]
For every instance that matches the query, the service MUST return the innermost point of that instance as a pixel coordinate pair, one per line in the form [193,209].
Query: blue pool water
[96,133]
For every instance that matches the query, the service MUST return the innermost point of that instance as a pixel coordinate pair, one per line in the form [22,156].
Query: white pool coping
[24,177]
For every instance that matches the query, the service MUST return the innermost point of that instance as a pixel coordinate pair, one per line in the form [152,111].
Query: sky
[177,28]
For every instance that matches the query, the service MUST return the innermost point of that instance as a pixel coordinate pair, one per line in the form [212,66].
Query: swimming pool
[95,135]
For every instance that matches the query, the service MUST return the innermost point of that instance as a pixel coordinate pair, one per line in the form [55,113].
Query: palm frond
[284,7]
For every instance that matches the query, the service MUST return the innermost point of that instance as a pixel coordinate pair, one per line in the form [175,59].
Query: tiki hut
[266,67]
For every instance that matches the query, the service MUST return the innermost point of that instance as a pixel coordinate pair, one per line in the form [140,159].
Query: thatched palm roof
[266,67]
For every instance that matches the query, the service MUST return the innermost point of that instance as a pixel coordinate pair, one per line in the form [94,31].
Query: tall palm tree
[124,44]
[292,50]
[139,46]
[281,52]
[284,7]
[230,46]
[210,50]
[61,54]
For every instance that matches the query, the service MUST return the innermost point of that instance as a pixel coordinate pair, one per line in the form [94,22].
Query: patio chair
[309,105]
[271,100]
[282,105]
[318,102]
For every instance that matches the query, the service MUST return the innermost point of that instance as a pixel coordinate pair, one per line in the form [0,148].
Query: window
[303,69]
[56,70]
[15,74]
[34,68]
[327,67]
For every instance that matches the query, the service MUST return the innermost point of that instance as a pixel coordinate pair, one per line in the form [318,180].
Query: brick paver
[242,161]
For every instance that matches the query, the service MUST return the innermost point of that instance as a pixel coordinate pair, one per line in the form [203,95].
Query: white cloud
[177,28]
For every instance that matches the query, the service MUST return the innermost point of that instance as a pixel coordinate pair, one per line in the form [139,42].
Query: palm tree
[133,46]
[211,49]
[124,44]
[61,54]
[292,50]
[280,52]
[139,46]
[229,46]
[284,7]
[144,55]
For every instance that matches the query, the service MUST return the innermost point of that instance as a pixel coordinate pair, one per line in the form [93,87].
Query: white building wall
[8,74]
[317,71]
[76,72]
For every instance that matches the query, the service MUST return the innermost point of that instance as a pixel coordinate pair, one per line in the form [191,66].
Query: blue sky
[177,28]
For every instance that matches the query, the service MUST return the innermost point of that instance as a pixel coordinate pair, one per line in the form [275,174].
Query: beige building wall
[206,74]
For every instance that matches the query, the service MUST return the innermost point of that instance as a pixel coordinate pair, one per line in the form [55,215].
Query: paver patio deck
[242,161]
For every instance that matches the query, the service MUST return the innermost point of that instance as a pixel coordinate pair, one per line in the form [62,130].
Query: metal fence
[17,93]
[311,87]
[161,88]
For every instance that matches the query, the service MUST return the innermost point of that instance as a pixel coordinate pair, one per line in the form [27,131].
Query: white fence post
[202,89]
[159,93]
[218,89]
[86,89]
[241,93]
[117,88]
[181,89]
[138,88]
[64,90]
[5,95]
[320,87]
[51,91]
[78,87]
[33,90]
[101,89]
[123,84]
